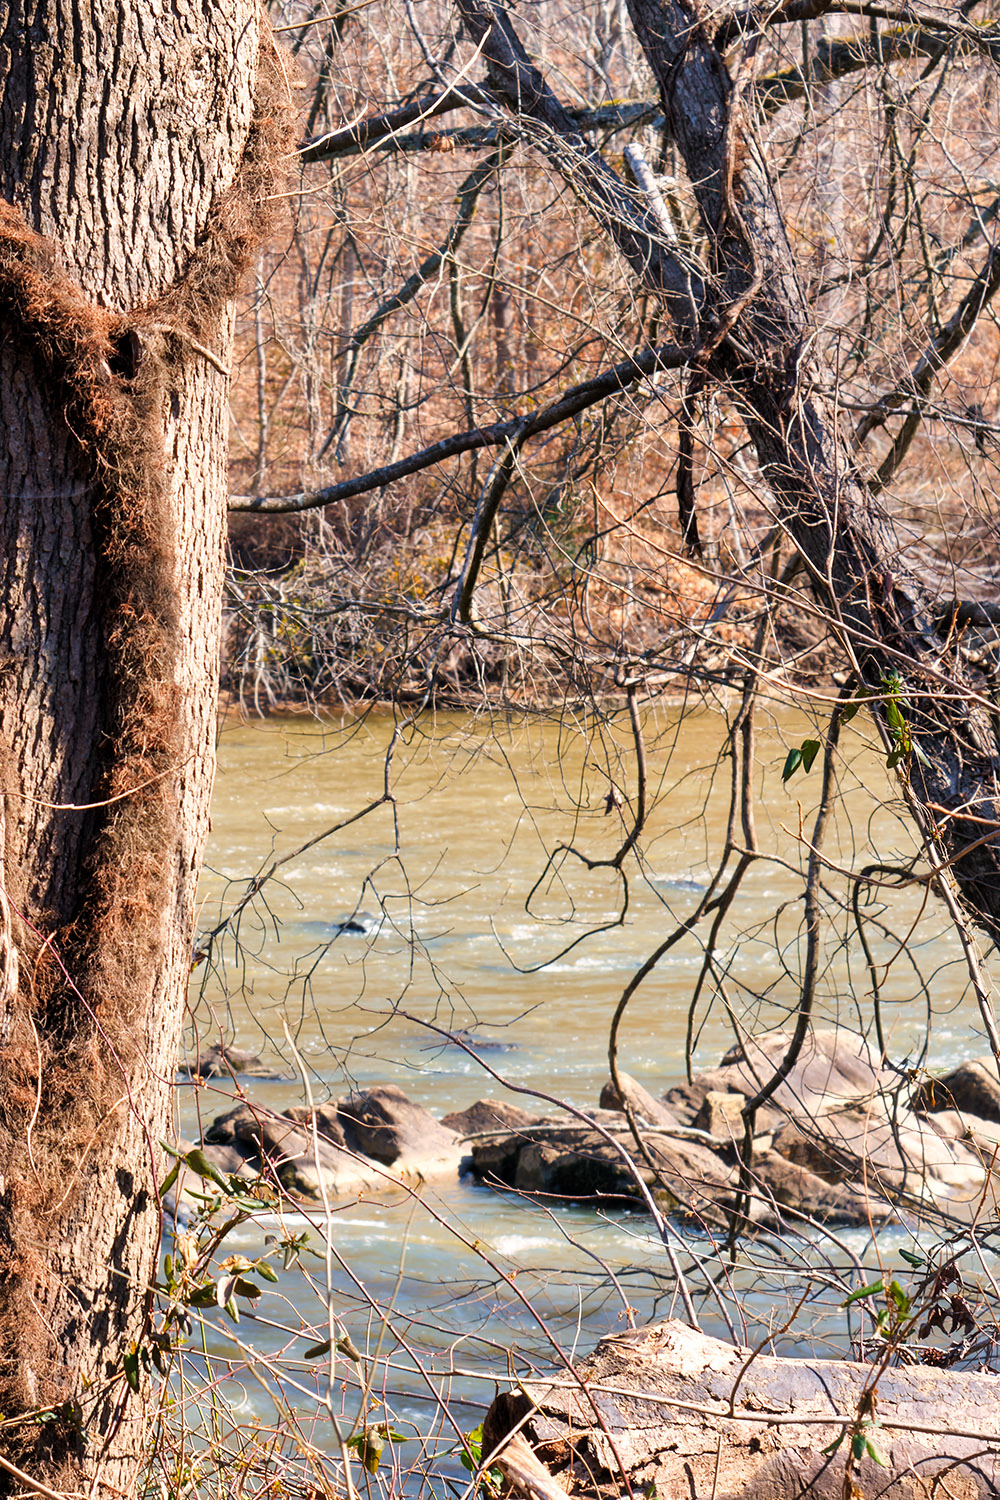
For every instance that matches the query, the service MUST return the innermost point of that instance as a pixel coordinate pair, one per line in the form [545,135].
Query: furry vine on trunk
[139,148]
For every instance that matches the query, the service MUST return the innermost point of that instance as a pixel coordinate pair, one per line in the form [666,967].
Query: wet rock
[982,1135]
[580,1164]
[721,1115]
[384,1124]
[358,924]
[486,1115]
[885,1151]
[368,1142]
[476,1043]
[327,1117]
[697,1178]
[228,1127]
[220,1061]
[236,1160]
[577,1163]
[973,1088]
[494,1157]
[794,1187]
[647,1110]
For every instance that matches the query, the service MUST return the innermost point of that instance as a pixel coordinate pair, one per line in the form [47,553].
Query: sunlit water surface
[491,918]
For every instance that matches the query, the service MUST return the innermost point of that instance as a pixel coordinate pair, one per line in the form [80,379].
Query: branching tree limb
[383,130]
[468,198]
[939,352]
[517,430]
[628,217]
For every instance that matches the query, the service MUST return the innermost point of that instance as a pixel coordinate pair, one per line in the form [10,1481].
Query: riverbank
[312,625]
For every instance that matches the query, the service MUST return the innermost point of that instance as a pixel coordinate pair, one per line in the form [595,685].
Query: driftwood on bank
[666,1410]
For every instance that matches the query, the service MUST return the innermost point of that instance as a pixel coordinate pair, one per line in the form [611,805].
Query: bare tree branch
[382,131]
[351,140]
[514,431]
[629,219]
[838,58]
[943,348]
[468,198]
[935,357]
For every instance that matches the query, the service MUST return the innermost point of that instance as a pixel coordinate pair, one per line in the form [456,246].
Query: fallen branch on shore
[668,1411]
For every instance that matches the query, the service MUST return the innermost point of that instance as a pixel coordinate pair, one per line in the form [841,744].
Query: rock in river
[220,1061]
[367,1142]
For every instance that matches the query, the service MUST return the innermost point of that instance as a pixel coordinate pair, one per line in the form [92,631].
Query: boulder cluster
[843,1140]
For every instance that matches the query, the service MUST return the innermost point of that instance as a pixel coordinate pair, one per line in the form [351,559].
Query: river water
[484,912]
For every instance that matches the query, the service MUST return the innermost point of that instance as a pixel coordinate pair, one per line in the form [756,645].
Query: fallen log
[667,1410]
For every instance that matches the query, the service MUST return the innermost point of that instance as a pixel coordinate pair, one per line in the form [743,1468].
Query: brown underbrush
[435,278]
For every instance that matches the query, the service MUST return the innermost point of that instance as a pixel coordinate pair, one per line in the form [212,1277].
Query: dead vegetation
[439,279]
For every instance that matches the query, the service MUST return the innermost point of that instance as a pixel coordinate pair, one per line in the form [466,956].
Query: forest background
[435,276]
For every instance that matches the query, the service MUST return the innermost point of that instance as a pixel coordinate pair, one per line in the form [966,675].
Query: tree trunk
[136,151]
[760,341]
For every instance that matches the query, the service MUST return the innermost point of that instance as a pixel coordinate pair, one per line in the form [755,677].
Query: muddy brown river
[473,906]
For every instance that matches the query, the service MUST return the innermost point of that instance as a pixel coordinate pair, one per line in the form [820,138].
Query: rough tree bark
[137,143]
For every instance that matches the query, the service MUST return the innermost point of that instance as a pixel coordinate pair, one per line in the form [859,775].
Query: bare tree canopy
[801,296]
